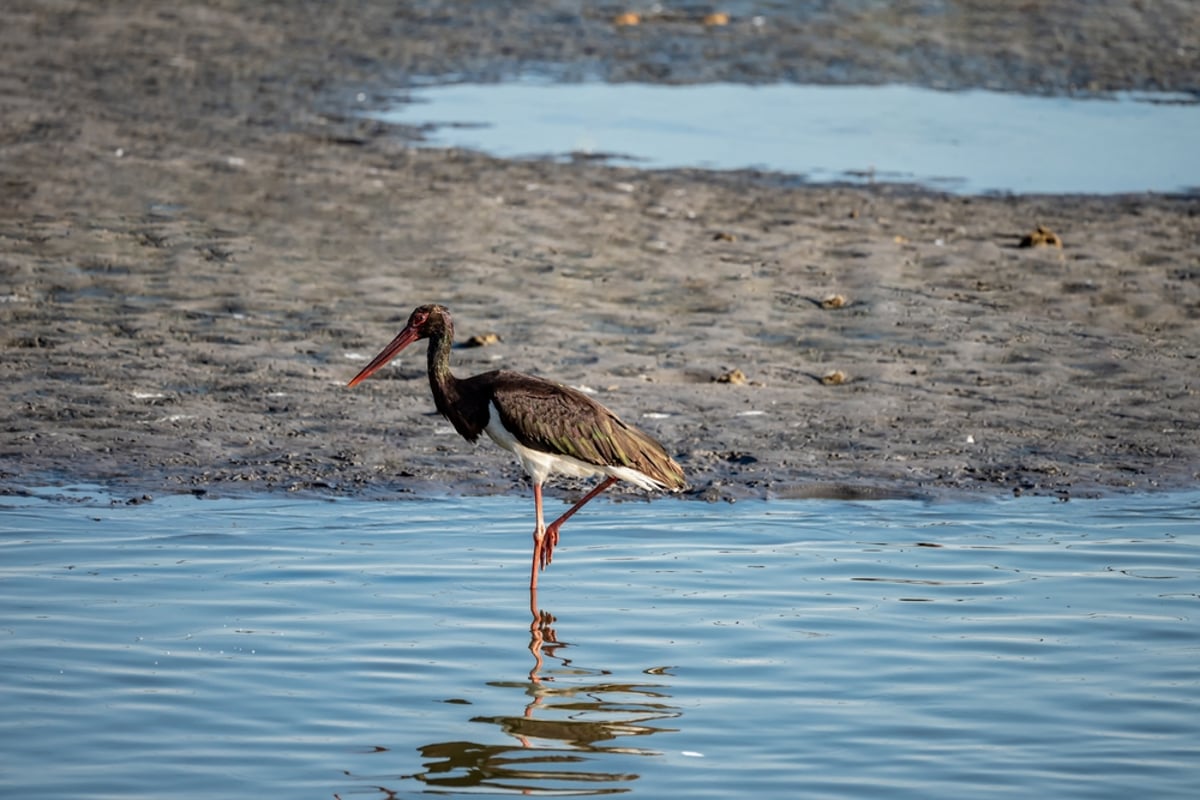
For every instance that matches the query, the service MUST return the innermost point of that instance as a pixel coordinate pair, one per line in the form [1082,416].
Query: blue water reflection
[302,648]
[571,725]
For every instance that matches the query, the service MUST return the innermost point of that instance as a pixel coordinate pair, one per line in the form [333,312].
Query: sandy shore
[200,245]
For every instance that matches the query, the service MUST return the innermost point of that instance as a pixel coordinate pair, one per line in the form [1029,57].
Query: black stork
[549,427]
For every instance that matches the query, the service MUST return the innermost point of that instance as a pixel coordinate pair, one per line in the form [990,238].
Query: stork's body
[552,429]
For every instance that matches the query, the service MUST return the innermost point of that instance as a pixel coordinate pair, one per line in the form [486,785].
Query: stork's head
[425,322]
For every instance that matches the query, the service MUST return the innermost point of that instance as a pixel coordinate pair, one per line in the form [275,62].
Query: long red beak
[402,340]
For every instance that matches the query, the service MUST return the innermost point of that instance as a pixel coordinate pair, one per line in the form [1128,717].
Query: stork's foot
[550,543]
[543,552]
[544,549]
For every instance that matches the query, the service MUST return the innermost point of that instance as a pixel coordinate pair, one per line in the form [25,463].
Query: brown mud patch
[199,247]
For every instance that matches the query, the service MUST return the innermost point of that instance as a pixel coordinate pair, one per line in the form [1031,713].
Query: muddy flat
[201,244]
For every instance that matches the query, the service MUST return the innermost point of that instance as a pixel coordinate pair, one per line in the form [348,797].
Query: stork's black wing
[557,419]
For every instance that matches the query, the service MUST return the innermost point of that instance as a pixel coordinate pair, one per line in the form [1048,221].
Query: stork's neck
[443,384]
[461,402]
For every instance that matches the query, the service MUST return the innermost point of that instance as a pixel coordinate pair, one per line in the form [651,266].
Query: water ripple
[801,648]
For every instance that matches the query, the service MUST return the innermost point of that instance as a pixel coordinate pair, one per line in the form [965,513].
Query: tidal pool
[967,142]
[300,648]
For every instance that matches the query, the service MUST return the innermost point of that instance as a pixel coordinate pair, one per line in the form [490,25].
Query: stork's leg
[551,537]
[539,537]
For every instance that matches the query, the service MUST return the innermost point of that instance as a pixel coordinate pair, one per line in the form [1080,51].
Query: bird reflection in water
[565,738]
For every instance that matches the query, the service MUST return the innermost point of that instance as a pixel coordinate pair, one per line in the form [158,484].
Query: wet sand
[201,242]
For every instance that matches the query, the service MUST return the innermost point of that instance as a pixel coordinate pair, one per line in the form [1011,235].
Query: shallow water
[966,142]
[300,648]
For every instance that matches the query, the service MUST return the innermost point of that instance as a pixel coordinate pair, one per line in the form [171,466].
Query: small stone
[482,340]
[1041,236]
[834,301]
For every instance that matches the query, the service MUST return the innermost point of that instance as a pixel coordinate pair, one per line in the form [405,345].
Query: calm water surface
[278,647]
[966,142]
